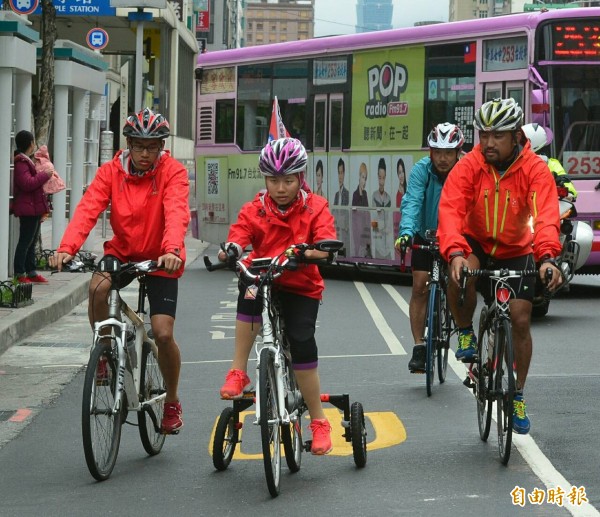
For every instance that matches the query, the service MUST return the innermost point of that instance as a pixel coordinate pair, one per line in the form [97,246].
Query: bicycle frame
[128,376]
[272,342]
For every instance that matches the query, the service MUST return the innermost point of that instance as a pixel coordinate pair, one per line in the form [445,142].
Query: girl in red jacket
[286,214]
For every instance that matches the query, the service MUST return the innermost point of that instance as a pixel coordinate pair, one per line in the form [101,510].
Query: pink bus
[363,104]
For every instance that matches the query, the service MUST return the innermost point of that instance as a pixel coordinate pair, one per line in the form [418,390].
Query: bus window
[320,119]
[450,89]
[335,123]
[254,105]
[225,113]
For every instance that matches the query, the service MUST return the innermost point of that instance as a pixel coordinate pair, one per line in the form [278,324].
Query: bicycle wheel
[269,421]
[359,434]
[226,438]
[291,435]
[432,323]
[443,343]
[483,383]
[505,389]
[100,426]
[152,385]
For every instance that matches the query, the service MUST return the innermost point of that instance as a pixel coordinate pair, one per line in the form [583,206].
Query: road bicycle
[439,324]
[122,376]
[279,403]
[492,377]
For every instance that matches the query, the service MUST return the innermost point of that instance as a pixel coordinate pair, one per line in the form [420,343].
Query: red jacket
[149,215]
[495,210]
[29,198]
[269,235]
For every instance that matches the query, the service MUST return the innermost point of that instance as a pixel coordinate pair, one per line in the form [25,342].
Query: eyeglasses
[152,149]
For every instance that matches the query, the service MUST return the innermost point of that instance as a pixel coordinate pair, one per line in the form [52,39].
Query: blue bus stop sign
[97,38]
[24,6]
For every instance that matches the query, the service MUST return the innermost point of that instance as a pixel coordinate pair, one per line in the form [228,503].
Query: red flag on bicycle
[277,128]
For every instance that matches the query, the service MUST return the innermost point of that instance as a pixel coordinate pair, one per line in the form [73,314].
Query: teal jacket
[419,206]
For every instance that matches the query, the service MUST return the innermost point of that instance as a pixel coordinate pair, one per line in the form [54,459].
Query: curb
[27,320]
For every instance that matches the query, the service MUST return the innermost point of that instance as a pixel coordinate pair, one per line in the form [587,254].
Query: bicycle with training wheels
[122,376]
[492,377]
[279,403]
[439,324]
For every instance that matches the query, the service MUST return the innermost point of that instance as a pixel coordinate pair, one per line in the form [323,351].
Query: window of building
[260,38]
[483,14]
[273,27]
[249,25]
[259,26]
[272,38]
[303,26]
[283,27]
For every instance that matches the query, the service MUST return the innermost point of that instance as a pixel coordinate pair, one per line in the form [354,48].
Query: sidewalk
[63,292]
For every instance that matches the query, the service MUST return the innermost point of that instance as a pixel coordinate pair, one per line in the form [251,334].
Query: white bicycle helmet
[537,136]
[446,136]
[499,115]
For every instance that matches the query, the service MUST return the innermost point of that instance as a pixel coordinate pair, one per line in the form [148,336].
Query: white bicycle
[279,403]
[122,376]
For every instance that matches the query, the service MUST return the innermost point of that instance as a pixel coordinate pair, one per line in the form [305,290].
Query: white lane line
[349,356]
[397,297]
[535,458]
[386,332]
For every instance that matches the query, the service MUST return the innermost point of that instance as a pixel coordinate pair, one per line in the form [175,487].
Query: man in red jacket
[484,214]
[148,192]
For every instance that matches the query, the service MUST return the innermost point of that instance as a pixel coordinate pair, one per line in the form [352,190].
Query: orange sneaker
[321,441]
[235,383]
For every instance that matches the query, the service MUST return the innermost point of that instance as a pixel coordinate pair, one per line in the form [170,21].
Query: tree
[44,107]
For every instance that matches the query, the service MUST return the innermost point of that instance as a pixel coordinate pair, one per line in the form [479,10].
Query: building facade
[373,15]
[278,21]
[470,9]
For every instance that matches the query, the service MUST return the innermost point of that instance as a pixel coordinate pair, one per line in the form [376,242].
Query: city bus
[363,105]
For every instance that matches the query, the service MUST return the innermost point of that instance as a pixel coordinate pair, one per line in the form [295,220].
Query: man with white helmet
[539,139]
[419,211]
[485,208]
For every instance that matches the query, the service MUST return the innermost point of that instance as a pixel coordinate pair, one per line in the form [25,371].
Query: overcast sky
[339,16]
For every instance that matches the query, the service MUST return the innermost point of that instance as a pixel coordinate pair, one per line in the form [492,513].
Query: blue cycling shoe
[467,347]
[521,423]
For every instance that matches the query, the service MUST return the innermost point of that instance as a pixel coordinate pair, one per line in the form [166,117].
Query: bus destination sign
[576,40]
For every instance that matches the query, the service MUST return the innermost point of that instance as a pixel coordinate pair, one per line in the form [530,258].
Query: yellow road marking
[386,426]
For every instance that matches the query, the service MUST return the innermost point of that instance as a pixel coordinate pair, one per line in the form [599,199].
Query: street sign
[97,38]
[24,6]
[79,7]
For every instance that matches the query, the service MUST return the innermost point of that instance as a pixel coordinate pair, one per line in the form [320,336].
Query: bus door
[327,122]
[503,90]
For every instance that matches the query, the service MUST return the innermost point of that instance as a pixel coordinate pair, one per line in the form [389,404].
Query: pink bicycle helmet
[146,124]
[446,136]
[283,156]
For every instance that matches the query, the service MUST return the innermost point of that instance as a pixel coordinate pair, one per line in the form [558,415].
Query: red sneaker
[172,422]
[235,383]
[321,442]
[37,279]
[24,280]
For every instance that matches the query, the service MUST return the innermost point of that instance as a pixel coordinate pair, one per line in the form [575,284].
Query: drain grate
[5,415]
[44,344]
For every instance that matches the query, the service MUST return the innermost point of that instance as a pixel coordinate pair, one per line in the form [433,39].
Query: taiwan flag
[470,52]
[276,128]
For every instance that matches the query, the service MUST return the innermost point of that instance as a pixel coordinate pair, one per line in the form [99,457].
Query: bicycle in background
[279,403]
[492,376]
[122,376]
[439,324]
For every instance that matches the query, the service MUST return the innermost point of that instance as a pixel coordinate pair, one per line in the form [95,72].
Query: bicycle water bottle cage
[109,265]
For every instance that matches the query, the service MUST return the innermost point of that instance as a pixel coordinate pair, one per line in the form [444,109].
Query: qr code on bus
[212,178]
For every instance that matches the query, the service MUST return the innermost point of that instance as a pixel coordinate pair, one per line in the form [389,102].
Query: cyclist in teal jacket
[419,210]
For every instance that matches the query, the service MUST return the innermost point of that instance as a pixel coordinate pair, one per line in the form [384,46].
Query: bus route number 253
[582,163]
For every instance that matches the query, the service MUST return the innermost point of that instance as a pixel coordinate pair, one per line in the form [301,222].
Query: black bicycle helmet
[146,124]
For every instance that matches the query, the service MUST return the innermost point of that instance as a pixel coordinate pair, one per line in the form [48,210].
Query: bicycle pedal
[307,445]
[419,372]
[468,383]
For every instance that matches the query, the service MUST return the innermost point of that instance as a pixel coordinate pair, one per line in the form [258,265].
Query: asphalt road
[425,455]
